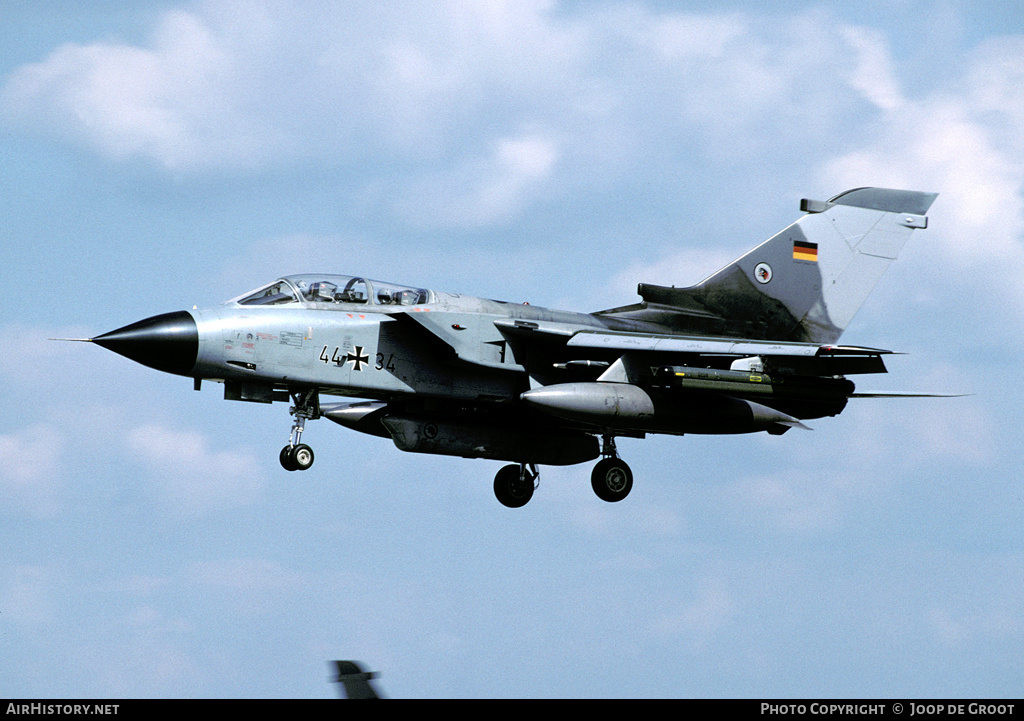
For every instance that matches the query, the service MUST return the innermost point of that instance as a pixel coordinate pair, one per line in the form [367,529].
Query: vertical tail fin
[804,283]
[355,680]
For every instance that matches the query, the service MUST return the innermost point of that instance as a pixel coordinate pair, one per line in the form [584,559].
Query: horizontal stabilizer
[906,202]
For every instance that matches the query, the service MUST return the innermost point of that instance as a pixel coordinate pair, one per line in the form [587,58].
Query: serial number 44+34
[359,358]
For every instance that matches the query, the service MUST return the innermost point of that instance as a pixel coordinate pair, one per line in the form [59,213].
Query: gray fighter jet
[751,348]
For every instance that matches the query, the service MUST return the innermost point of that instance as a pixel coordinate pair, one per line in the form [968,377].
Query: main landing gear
[298,456]
[514,484]
[611,479]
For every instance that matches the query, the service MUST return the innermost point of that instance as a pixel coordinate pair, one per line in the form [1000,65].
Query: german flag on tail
[802,250]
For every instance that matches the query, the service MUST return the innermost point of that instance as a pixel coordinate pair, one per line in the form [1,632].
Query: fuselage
[450,356]
[372,344]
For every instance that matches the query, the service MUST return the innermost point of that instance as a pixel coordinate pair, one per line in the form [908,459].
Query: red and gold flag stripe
[802,250]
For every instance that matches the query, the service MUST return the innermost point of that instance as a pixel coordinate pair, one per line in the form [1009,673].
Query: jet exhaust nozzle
[168,342]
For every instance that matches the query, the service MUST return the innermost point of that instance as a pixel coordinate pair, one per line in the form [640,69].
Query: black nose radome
[168,342]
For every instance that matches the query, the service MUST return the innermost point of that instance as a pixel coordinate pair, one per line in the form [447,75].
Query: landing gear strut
[514,484]
[298,456]
[611,478]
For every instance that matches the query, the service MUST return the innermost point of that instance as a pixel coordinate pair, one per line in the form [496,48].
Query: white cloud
[993,87]
[145,652]
[228,86]
[793,501]
[483,191]
[30,467]
[680,268]
[873,75]
[961,621]
[171,101]
[193,478]
[244,574]
[26,595]
[636,518]
[960,145]
[678,37]
[954,144]
[959,431]
[699,619]
[250,585]
[507,98]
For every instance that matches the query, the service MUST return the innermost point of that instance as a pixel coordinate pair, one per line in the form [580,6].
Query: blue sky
[175,154]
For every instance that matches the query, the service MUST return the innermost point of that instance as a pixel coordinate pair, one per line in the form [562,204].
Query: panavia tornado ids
[752,348]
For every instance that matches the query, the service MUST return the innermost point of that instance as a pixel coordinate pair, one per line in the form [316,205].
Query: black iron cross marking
[358,358]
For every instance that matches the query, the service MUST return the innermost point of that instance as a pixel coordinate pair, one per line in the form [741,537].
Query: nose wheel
[298,456]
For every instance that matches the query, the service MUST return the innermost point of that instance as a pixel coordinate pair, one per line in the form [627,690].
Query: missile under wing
[752,348]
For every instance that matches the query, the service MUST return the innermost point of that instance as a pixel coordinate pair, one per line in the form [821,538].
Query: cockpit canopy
[324,291]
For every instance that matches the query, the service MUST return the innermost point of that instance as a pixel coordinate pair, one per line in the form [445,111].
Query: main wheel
[611,480]
[510,489]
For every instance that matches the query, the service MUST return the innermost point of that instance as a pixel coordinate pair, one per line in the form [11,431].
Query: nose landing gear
[298,456]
